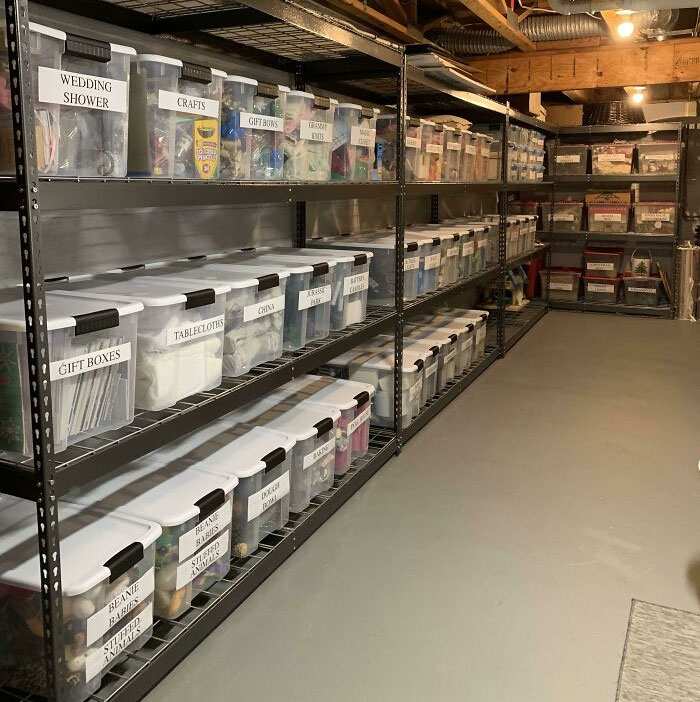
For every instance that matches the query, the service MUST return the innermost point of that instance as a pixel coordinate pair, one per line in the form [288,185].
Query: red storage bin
[602,262]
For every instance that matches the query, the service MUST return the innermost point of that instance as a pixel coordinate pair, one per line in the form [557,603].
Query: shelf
[172,641]
[427,188]
[623,237]
[519,323]
[616,308]
[621,128]
[96,193]
[528,185]
[523,258]
[425,302]
[601,179]
[93,457]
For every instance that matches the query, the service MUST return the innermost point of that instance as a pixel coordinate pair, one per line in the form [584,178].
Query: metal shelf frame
[665,311]
[336,52]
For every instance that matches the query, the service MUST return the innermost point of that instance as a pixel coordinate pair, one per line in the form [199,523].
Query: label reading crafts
[194,330]
[190,104]
[86,362]
[316,131]
[82,90]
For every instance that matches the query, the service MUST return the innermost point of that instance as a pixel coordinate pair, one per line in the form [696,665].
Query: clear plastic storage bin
[563,283]
[193,509]
[447,345]
[92,366]
[448,242]
[354,133]
[567,159]
[180,334]
[236,131]
[602,262]
[308,132]
[354,402]
[612,219]
[429,249]
[642,291]
[468,164]
[414,135]
[419,350]
[658,158]
[655,218]
[612,159]
[431,153]
[464,332]
[562,216]
[481,157]
[451,157]
[601,289]
[386,154]
[267,131]
[479,318]
[107,581]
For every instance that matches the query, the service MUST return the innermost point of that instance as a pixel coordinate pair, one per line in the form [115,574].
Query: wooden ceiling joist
[489,12]
[652,63]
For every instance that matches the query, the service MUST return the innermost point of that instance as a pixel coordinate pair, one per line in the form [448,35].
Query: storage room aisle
[477,568]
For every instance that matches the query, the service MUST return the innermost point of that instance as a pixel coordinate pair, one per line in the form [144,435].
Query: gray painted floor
[496,558]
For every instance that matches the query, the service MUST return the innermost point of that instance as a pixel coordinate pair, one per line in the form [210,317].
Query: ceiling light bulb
[625,29]
[638,97]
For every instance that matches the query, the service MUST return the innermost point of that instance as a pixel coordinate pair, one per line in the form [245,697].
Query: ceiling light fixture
[625,29]
[637,96]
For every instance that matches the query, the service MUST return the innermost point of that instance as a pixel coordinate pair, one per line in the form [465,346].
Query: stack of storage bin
[601,281]
[354,133]
[563,283]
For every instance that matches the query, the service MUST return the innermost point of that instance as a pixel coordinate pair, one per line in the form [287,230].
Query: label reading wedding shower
[273,492]
[212,552]
[262,309]
[320,452]
[355,283]
[314,297]
[81,90]
[196,537]
[86,362]
[189,104]
[362,136]
[316,131]
[194,330]
[359,420]
[250,120]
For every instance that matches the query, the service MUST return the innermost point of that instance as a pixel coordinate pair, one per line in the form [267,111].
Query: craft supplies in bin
[107,564]
[354,402]
[642,290]
[463,330]
[193,509]
[429,248]
[655,218]
[448,347]
[658,157]
[354,130]
[567,159]
[267,132]
[481,157]
[236,130]
[602,262]
[612,159]
[431,153]
[479,318]
[414,132]
[92,367]
[180,334]
[601,290]
[385,146]
[451,157]
[563,283]
[448,248]
[308,132]
[468,164]
[612,219]
[563,216]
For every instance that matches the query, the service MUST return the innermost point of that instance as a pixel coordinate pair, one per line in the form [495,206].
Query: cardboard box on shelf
[609,197]
[529,103]
[565,115]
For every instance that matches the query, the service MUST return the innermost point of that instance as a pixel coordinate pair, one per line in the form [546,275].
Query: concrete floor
[496,558]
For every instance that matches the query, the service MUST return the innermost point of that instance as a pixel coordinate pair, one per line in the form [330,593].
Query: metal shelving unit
[316,47]
[664,311]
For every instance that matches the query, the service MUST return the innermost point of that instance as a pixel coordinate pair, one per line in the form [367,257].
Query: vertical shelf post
[502,233]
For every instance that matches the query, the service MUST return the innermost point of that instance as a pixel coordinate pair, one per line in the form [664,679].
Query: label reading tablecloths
[212,552]
[314,297]
[262,309]
[86,362]
[194,330]
[82,90]
[189,104]
[273,492]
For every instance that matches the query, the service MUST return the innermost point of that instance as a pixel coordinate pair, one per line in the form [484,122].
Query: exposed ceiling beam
[652,63]
[488,12]
[376,19]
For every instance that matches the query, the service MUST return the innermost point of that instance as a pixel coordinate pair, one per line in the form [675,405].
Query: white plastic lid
[156,58]
[218,72]
[244,259]
[378,359]
[240,79]
[428,122]
[349,105]
[478,315]
[283,88]
[205,274]
[428,233]
[431,334]
[88,541]
[154,488]
[324,390]
[61,310]
[47,31]
[353,241]
[121,49]
[447,128]
[293,258]
[446,322]
[301,93]
[386,115]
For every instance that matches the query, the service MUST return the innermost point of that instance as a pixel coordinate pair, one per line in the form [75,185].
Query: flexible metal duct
[572,7]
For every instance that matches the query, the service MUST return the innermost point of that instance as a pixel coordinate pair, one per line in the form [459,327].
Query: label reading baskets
[359,420]
[562,217]
[212,552]
[194,330]
[651,291]
[453,146]
[561,286]
[362,136]
[612,157]
[355,283]
[432,262]
[191,541]
[601,288]
[86,362]
[314,297]
[249,120]
[103,656]
[593,266]
[262,309]
[189,104]
[453,251]
[410,264]
[318,453]
[468,248]
[82,90]
[567,158]
[316,131]
[412,142]
[433,148]
[656,216]
[116,609]
[273,492]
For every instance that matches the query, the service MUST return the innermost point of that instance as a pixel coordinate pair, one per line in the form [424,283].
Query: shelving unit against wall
[316,48]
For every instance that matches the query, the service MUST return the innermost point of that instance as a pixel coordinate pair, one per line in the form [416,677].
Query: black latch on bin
[96,321]
[121,562]
[274,458]
[195,73]
[210,503]
[265,282]
[87,48]
[435,350]
[319,269]
[360,259]
[199,298]
[324,426]
[418,364]
[367,112]
[453,338]
[436,241]
[362,398]
[268,90]
[412,246]
[414,122]
[322,103]
[470,327]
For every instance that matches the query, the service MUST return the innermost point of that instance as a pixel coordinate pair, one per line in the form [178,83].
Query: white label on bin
[263,308]
[560,217]
[659,157]
[359,420]
[468,248]
[249,120]
[86,362]
[430,371]
[212,552]
[362,136]
[132,630]
[190,104]
[355,283]
[315,296]
[319,453]
[481,244]
[453,251]
[593,266]
[194,330]
[453,146]
[601,287]
[273,492]
[432,262]
[656,216]
[410,264]
[449,356]
[607,216]
[82,90]
[642,290]
[612,157]
[561,286]
[126,601]
[412,142]
[469,149]
[195,538]
[433,148]
[567,158]
[414,391]
[313,130]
